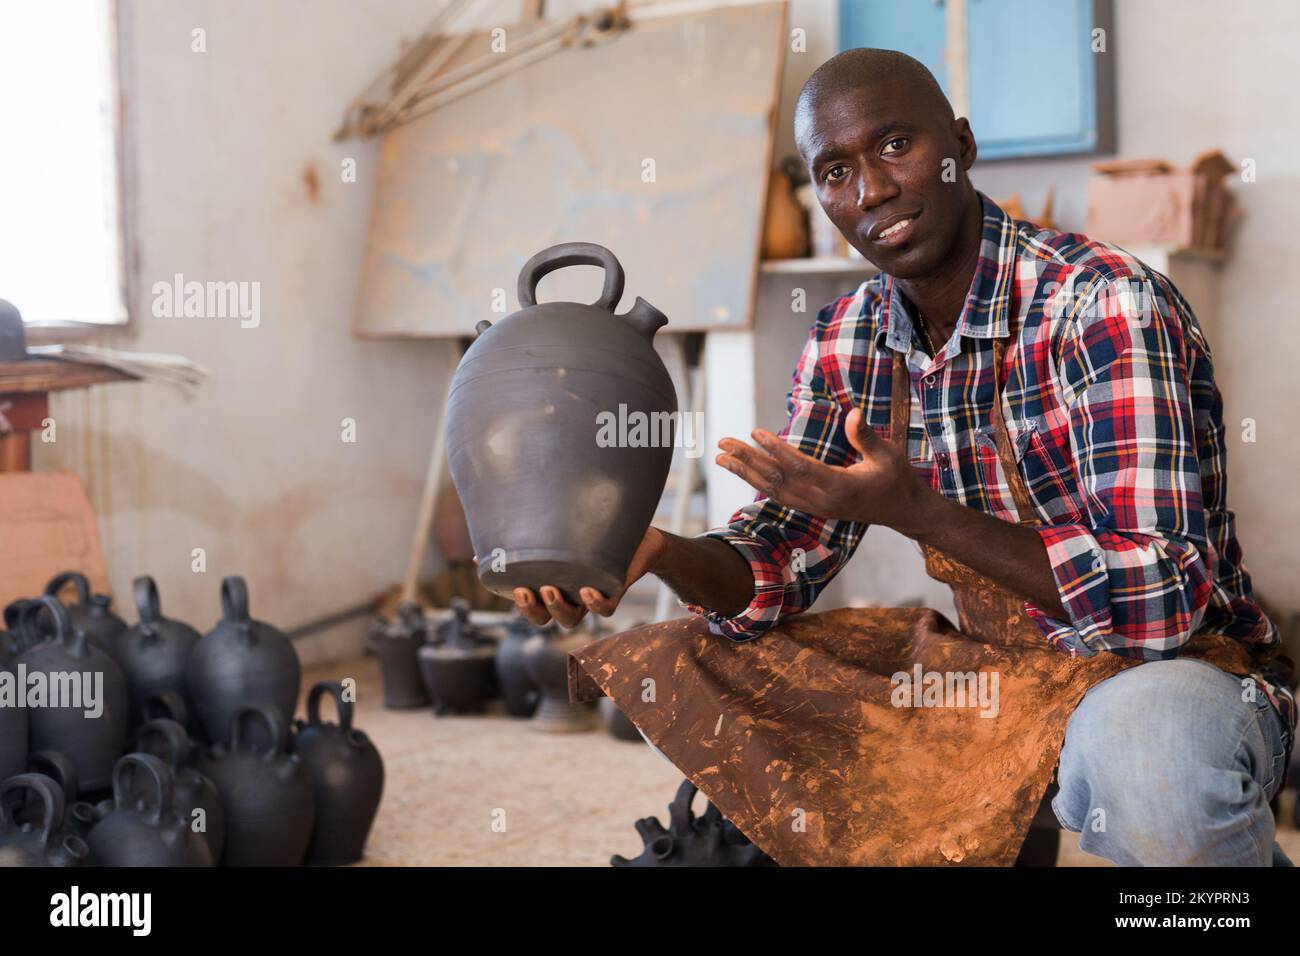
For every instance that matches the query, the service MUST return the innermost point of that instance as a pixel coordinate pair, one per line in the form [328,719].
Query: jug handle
[51,796]
[572,254]
[72,639]
[55,765]
[270,716]
[335,690]
[167,705]
[173,736]
[59,581]
[147,601]
[162,779]
[234,598]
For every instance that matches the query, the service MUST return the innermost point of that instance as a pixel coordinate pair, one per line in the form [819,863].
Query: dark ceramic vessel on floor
[616,722]
[266,792]
[92,614]
[459,670]
[46,844]
[239,662]
[194,797]
[153,654]
[347,776]
[143,827]
[553,494]
[710,840]
[397,646]
[546,657]
[93,743]
[520,691]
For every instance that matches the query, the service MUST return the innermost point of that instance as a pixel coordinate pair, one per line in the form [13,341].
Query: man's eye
[836,172]
[898,142]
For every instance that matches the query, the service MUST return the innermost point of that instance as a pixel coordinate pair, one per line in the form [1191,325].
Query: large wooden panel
[46,526]
[557,152]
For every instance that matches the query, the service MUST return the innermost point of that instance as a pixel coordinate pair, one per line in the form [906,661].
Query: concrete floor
[564,799]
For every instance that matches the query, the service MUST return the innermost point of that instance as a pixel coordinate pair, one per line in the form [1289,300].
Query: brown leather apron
[805,741]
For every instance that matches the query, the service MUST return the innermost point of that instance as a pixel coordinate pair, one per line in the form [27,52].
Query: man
[1117,429]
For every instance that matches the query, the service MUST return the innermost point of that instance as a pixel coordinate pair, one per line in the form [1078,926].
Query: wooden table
[25,388]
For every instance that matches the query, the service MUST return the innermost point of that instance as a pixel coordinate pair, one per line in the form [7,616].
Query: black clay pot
[57,767]
[546,656]
[459,670]
[238,663]
[561,412]
[194,796]
[143,827]
[46,844]
[397,646]
[92,614]
[520,691]
[153,654]
[170,705]
[709,840]
[347,776]
[266,792]
[616,723]
[92,737]
[13,724]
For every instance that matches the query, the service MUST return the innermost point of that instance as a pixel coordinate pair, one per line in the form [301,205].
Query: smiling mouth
[896,234]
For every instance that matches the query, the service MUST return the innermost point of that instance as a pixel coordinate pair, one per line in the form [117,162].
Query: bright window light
[60,221]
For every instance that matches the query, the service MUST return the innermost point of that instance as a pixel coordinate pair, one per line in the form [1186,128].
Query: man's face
[877,160]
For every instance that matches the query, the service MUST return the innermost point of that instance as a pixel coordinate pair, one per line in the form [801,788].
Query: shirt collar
[985,313]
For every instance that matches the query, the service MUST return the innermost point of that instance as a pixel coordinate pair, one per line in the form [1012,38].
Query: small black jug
[347,776]
[153,654]
[46,844]
[520,691]
[241,661]
[92,613]
[145,831]
[397,646]
[267,793]
[194,796]
[92,742]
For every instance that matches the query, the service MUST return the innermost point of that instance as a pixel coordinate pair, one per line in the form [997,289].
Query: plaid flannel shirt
[1115,420]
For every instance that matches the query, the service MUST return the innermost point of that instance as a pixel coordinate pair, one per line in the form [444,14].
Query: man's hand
[549,603]
[883,488]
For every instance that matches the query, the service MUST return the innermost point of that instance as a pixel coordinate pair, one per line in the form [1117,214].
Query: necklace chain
[925,338]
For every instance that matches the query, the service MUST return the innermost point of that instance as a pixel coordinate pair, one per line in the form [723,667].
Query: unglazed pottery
[560,427]
[153,654]
[92,614]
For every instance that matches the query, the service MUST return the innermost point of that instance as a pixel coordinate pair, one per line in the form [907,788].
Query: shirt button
[929,381]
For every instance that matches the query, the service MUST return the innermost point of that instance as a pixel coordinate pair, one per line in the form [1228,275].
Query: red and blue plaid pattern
[1116,423]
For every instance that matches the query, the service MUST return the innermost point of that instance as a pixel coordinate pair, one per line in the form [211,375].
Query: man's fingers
[861,435]
[792,461]
[564,612]
[531,607]
[597,603]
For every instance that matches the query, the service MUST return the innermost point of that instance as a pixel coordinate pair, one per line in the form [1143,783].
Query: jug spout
[645,318]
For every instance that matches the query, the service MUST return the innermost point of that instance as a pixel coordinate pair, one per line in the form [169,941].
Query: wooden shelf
[819,266]
[52,375]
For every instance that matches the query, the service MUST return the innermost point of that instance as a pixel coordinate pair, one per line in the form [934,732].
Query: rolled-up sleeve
[793,555]
[1136,576]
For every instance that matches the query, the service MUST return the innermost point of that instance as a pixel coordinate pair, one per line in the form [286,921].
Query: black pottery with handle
[143,827]
[47,843]
[92,614]
[154,652]
[194,796]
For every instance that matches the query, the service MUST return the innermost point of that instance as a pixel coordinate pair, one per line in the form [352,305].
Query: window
[60,198]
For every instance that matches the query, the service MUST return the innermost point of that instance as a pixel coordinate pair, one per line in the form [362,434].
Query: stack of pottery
[146,830]
[154,653]
[520,691]
[240,662]
[397,646]
[347,777]
[92,614]
[266,791]
[45,844]
[689,840]
[92,737]
[458,669]
[554,492]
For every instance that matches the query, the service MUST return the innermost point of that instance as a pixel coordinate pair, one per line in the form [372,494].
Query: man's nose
[875,186]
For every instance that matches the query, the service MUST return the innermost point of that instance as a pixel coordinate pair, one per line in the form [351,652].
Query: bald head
[863,70]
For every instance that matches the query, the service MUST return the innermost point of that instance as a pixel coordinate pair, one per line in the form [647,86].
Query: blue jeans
[1164,764]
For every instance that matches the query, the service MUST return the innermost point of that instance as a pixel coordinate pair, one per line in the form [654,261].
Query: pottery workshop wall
[232,176]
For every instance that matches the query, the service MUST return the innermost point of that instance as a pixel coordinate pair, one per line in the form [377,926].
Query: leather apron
[808,740]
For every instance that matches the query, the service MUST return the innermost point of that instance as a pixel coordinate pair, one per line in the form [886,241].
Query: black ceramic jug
[92,613]
[266,792]
[46,844]
[347,776]
[145,830]
[50,763]
[710,840]
[397,646]
[560,433]
[240,662]
[92,741]
[153,654]
[458,669]
[13,723]
[194,796]
[546,656]
[520,691]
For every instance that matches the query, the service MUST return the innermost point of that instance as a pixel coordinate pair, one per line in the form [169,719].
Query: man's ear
[961,131]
